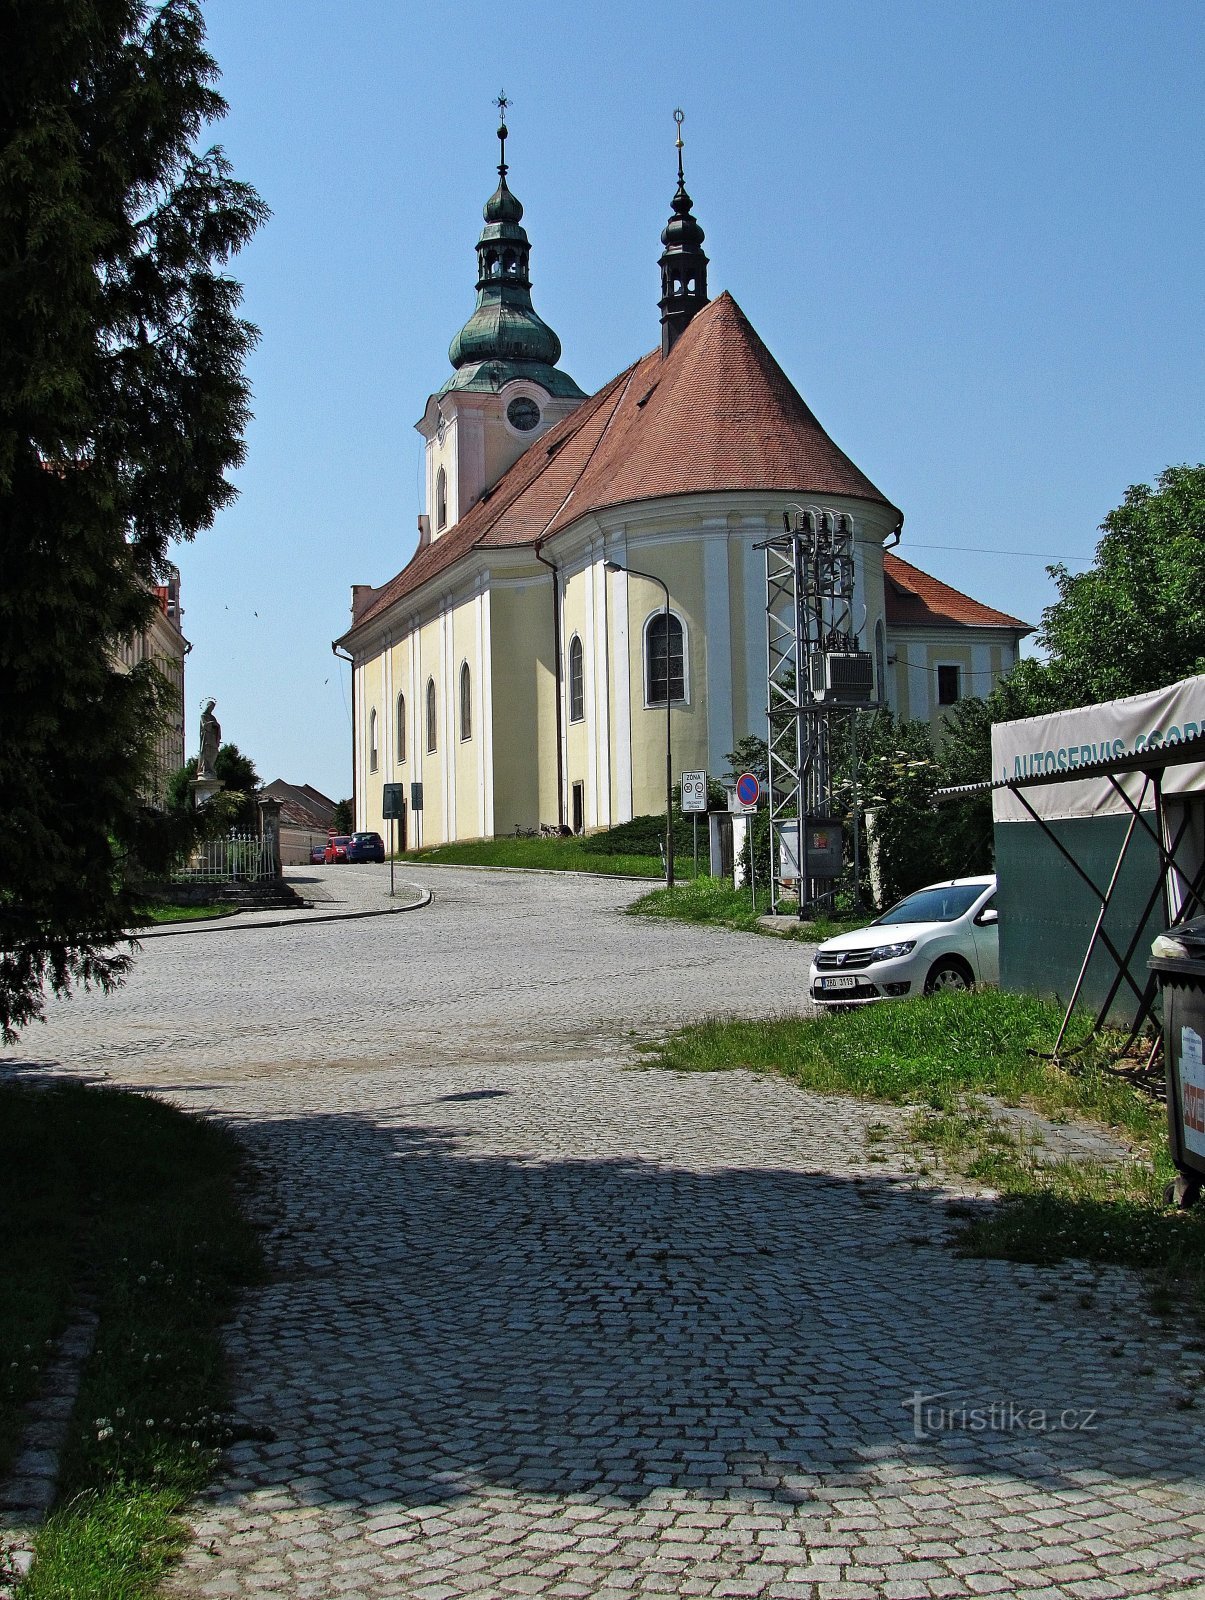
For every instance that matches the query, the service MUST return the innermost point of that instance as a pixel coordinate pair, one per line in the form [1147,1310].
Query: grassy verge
[557,855]
[715,901]
[949,1058]
[135,1203]
[168,913]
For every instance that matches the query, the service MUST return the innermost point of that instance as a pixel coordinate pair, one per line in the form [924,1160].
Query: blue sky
[972,235]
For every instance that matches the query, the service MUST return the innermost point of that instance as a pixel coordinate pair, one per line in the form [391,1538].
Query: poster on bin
[1192,1091]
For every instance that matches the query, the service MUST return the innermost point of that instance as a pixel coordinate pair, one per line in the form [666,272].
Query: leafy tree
[1134,621]
[345,820]
[122,409]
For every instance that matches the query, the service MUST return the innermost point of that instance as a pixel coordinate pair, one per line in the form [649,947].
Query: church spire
[683,264]
[504,338]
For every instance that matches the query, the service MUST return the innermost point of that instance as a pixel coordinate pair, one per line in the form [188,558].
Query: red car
[336,848]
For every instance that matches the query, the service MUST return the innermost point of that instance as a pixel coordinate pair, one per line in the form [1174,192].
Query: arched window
[441,499]
[432,742]
[664,660]
[401,728]
[466,701]
[577,681]
[373,748]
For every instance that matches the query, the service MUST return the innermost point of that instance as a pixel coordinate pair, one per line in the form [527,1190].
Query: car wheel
[949,976]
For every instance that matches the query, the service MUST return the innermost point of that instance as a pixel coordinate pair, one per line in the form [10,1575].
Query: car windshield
[946,903]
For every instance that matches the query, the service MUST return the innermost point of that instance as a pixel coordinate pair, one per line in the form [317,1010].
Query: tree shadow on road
[443,1321]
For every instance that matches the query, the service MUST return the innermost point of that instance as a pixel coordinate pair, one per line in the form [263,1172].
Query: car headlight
[888,952]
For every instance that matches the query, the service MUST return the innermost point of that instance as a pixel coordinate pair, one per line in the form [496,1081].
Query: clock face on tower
[523,413]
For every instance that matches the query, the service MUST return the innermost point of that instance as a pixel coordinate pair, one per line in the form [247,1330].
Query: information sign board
[694,792]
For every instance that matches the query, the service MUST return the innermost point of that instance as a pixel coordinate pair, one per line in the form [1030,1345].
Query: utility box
[826,850]
[719,828]
[1182,982]
[841,677]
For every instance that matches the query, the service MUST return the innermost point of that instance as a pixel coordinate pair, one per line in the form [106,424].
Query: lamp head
[613,566]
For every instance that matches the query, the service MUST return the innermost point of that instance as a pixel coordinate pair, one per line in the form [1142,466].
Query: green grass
[170,913]
[123,1197]
[715,901]
[556,855]
[944,1057]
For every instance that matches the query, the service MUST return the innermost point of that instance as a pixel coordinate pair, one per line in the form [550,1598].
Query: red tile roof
[915,600]
[718,413]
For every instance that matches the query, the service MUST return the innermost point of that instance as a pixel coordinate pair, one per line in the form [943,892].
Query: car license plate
[839,983]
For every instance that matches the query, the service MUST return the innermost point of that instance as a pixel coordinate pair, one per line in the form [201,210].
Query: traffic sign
[694,792]
[393,800]
[748,790]
[416,797]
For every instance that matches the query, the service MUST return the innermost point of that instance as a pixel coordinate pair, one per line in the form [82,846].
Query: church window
[373,748]
[441,499]
[401,728]
[577,686]
[466,701]
[664,660]
[432,743]
[949,688]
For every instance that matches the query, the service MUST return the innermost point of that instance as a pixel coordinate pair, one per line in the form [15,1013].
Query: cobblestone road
[541,1324]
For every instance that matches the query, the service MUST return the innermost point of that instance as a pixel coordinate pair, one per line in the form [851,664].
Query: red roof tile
[915,600]
[718,413]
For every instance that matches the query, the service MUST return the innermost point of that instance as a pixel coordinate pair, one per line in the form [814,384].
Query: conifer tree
[123,403]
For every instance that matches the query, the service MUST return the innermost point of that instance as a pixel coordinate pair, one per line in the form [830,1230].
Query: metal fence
[242,855]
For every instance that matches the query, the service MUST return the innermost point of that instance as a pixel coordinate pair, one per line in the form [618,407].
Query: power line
[991,550]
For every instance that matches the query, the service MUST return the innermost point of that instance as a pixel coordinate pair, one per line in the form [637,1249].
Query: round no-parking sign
[748,790]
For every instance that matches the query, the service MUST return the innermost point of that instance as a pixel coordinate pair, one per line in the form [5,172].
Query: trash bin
[1178,960]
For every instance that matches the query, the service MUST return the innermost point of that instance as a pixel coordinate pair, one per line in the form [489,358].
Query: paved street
[543,1324]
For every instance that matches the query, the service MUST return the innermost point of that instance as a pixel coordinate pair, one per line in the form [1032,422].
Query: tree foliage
[123,404]
[235,806]
[1134,621]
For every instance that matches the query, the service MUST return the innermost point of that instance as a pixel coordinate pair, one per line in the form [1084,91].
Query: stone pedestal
[269,828]
[204,789]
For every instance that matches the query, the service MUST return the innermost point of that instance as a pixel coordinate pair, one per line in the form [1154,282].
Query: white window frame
[431,717]
[576,639]
[465,738]
[659,705]
[938,702]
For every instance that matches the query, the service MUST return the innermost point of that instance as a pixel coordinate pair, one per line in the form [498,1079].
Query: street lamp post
[614,566]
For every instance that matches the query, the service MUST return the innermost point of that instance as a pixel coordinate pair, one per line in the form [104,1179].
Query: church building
[518,667]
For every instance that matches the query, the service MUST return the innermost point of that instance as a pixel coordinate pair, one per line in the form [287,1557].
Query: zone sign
[694,792]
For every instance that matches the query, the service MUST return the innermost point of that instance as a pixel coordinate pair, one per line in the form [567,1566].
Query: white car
[939,938]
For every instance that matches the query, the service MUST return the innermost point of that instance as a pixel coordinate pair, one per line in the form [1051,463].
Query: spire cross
[680,118]
[502,102]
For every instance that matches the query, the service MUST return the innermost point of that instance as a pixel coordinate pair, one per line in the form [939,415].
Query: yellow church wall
[579,768]
[678,563]
[522,703]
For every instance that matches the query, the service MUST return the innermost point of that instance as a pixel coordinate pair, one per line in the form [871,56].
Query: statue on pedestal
[211,741]
[207,783]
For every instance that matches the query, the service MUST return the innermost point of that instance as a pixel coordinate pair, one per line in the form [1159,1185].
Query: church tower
[506,389]
[683,264]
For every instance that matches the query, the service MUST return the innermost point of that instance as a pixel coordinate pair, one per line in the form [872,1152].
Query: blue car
[366,847]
